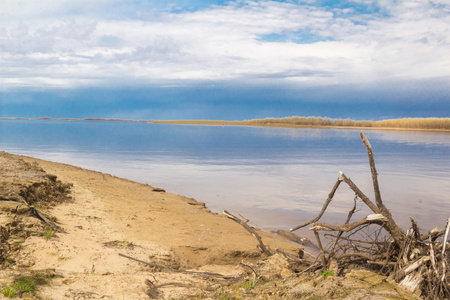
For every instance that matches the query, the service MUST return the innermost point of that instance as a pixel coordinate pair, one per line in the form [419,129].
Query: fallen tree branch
[249,229]
[207,274]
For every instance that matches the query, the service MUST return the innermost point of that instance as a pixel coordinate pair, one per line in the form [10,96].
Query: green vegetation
[26,284]
[48,233]
[326,273]
[250,284]
[9,291]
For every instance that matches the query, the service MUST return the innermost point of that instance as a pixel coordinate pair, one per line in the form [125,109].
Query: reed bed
[409,123]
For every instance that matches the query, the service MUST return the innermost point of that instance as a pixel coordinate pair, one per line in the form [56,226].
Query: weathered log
[408,269]
[249,229]
[411,282]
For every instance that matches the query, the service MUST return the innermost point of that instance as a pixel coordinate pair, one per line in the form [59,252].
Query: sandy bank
[109,215]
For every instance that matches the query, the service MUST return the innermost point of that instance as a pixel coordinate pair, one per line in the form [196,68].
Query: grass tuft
[250,284]
[326,273]
[48,233]
[9,291]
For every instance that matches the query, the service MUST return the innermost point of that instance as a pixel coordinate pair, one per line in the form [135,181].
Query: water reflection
[277,177]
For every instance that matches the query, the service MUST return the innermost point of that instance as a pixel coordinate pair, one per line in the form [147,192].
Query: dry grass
[410,123]
[441,124]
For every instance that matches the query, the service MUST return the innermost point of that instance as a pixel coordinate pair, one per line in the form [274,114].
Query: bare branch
[371,219]
[249,229]
[330,197]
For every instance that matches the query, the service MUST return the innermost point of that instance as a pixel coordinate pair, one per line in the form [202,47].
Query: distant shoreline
[310,123]
[408,124]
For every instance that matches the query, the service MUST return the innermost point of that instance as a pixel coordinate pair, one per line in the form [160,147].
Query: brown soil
[105,215]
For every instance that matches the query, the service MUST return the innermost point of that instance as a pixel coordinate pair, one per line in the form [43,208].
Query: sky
[231,60]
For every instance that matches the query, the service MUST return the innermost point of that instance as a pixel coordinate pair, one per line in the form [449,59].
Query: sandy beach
[107,216]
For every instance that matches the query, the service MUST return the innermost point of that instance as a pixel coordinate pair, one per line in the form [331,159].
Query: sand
[108,216]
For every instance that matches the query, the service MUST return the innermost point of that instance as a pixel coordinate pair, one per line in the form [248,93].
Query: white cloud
[71,43]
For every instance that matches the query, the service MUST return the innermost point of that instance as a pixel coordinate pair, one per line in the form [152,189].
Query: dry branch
[264,249]
[370,219]
[391,226]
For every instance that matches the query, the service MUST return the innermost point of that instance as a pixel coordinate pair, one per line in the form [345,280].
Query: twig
[253,270]
[261,244]
[246,220]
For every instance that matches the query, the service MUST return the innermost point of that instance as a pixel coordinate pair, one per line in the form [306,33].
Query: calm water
[277,177]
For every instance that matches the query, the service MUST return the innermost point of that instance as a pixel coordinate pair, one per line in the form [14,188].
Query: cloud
[91,43]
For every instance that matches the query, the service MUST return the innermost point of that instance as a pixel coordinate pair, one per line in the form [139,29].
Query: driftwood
[418,262]
[205,274]
[263,247]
